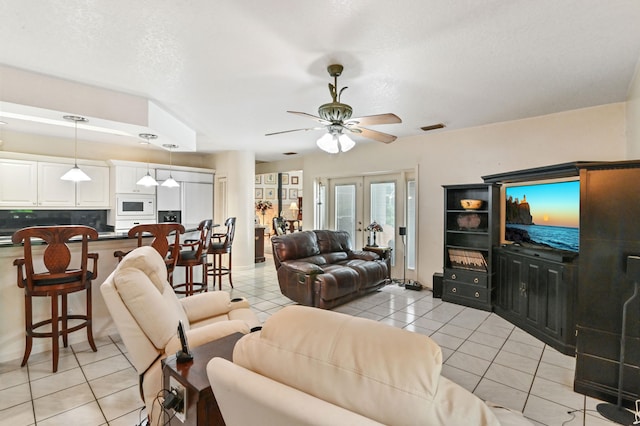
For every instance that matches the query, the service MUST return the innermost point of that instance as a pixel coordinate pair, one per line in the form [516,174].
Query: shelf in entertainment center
[469,236]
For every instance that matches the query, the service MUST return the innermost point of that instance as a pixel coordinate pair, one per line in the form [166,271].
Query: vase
[263,218]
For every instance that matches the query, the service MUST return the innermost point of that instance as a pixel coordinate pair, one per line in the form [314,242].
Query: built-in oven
[136,206]
[170,216]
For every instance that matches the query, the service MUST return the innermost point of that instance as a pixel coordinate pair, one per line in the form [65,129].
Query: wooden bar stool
[166,241]
[195,255]
[58,280]
[222,245]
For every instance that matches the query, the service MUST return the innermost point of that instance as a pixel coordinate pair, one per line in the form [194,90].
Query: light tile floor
[482,352]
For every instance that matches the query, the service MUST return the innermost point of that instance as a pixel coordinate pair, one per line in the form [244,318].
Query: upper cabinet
[126,177]
[53,191]
[38,184]
[18,183]
[94,193]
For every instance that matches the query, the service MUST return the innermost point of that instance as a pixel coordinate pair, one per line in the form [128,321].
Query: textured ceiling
[230,69]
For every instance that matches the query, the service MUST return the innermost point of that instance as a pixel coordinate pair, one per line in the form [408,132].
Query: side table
[384,253]
[202,408]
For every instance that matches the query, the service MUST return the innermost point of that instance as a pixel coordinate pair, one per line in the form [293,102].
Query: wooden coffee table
[202,407]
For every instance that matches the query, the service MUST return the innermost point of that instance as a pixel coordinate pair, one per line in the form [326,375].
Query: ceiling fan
[335,117]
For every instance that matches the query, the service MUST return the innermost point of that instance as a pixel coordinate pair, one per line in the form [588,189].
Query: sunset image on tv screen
[550,204]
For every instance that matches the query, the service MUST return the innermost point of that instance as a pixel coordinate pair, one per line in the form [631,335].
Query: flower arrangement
[263,205]
[374,227]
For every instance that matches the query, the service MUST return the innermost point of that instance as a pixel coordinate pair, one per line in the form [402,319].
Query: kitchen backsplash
[12,220]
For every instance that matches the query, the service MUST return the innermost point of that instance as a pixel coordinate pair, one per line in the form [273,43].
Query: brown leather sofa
[319,268]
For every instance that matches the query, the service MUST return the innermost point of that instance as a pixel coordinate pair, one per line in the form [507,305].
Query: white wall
[463,156]
[633,116]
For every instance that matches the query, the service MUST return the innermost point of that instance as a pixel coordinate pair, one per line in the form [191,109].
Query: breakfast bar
[12,328]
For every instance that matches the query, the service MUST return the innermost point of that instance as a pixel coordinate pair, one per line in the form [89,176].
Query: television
[543,215]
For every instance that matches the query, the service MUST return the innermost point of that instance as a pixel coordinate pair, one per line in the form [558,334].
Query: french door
[354,203]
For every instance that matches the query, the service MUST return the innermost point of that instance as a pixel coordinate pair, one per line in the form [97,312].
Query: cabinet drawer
[467,291]
[469,277]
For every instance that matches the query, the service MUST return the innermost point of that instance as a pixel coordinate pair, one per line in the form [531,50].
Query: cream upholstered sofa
[146,312]
[309,366]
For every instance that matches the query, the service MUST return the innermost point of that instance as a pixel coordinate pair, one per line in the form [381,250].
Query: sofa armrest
[301,267]
[208,333]
[206,305]
[364,255]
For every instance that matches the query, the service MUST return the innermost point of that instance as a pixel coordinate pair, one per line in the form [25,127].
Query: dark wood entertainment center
[574,302]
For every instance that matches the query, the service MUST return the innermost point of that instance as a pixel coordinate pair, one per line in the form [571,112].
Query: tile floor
[482,352]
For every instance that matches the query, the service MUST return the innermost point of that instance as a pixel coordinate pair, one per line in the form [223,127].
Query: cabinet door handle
[453,290]
[477,294]
[523,289]
[476,280]
[453,276]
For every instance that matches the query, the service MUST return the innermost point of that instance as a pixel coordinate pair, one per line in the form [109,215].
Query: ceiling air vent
[433,127]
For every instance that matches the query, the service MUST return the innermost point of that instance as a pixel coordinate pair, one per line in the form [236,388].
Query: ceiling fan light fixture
[328,143]
[346,143]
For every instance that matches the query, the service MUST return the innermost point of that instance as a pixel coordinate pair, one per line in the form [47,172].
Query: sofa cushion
[381,372]
[333,241]
[295,246]
[371,272]
[144,301]
[335,257]
[337,281]
[316,260]
[149,261]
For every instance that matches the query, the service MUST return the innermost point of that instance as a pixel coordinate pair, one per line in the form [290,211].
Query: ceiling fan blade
[372,120]
[294,130]
[313,117]
[372,134]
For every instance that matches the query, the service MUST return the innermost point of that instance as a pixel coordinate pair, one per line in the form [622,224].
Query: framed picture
[285,178]
[270,178]
[293,194]
[283,194]
[259,193]
[258,180]
[294,180]
[270,194]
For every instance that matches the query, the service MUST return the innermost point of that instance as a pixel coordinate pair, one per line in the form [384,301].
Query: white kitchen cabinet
[126,178]
[169,198]
[93,193]
[197,203]
[53,191]
[18,183]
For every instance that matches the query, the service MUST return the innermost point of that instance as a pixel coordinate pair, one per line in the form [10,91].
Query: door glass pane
[411,224]
[345,209]
[383,211]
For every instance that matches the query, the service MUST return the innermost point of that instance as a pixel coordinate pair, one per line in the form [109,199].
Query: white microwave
[136,206]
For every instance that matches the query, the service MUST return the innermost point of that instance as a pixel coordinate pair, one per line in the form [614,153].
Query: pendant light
[170,182]
[75,174]
[147,180]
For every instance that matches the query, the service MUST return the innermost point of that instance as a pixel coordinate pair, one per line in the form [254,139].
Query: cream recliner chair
[146,312]
[309,366]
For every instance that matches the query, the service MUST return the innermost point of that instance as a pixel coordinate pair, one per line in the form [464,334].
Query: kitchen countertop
[5,240]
